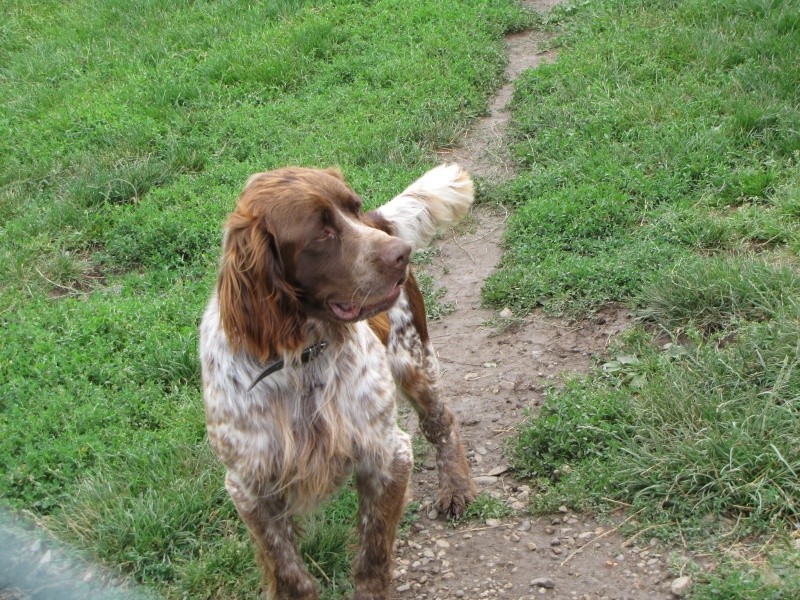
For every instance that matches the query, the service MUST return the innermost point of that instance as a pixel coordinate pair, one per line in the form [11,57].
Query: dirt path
[490,378]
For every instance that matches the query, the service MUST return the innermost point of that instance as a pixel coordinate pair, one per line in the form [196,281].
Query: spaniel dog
[315,325]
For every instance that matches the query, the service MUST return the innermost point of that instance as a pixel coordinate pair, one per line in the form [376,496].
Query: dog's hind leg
[273,534]
[382,493]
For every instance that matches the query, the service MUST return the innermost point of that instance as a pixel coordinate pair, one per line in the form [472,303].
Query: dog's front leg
[381,499]
[272,532]
[421,386]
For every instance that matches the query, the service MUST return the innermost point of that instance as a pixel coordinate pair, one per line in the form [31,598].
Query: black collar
[308,354]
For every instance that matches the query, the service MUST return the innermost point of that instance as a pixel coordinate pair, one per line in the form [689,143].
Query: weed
[434,308]
[484,507]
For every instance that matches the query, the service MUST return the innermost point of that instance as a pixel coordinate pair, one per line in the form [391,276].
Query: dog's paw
[454,496]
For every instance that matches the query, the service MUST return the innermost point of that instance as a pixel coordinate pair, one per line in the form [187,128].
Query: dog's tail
[434,202]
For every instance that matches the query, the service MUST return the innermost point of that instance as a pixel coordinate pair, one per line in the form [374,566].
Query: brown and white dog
[319,296]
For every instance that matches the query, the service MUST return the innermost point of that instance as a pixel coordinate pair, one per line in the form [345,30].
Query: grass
[661,131]
[484,507]
[129,129]
[660,168]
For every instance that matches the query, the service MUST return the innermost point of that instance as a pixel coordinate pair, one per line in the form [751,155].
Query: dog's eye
[327,233]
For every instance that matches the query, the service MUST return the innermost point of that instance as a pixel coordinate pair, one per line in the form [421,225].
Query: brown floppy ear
[334,172]
[258,308]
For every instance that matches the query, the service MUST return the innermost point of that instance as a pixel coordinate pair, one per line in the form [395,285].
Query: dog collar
[308,354]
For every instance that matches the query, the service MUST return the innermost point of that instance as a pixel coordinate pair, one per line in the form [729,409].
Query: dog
[315,325]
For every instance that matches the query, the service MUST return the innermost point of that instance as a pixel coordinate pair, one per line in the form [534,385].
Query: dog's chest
[321,417]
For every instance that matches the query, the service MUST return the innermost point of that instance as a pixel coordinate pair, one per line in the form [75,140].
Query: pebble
[681,586]
[543,582]
[404,588]
[493,522]
[485,480]
[433,514]
[525,525]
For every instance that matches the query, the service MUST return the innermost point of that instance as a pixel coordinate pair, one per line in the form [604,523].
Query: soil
[491,376]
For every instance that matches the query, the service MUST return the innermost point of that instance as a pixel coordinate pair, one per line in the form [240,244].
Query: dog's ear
[258,308]
[334,172]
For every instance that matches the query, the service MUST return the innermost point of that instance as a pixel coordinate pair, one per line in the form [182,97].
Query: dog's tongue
[345,311]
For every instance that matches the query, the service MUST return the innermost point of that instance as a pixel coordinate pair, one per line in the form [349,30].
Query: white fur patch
[434,202]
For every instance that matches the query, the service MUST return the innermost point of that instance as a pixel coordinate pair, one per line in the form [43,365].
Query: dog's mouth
[350,311]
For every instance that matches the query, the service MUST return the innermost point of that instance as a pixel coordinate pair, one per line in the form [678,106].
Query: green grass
[128,131]
[662,130]
[482,508]
[660,168]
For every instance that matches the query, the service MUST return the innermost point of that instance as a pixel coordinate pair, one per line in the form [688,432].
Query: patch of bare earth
[490,379]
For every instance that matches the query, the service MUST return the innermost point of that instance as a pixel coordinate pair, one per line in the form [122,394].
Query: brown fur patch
[417,305]
[380,325]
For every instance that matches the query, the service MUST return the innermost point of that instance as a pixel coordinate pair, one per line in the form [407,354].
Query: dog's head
[297,246]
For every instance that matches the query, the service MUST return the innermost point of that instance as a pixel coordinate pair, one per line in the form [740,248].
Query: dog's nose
[395,254]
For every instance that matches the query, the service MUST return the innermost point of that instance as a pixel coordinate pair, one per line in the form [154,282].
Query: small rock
[498,470]
[493,522]
[543,582]
[433,514]
[485,480]
[525,525]
[506,313]
[404,587]
[442,543]
[681,586]
[481,450]
[562,509]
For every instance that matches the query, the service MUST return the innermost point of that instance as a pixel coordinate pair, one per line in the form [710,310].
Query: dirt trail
[490,378]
